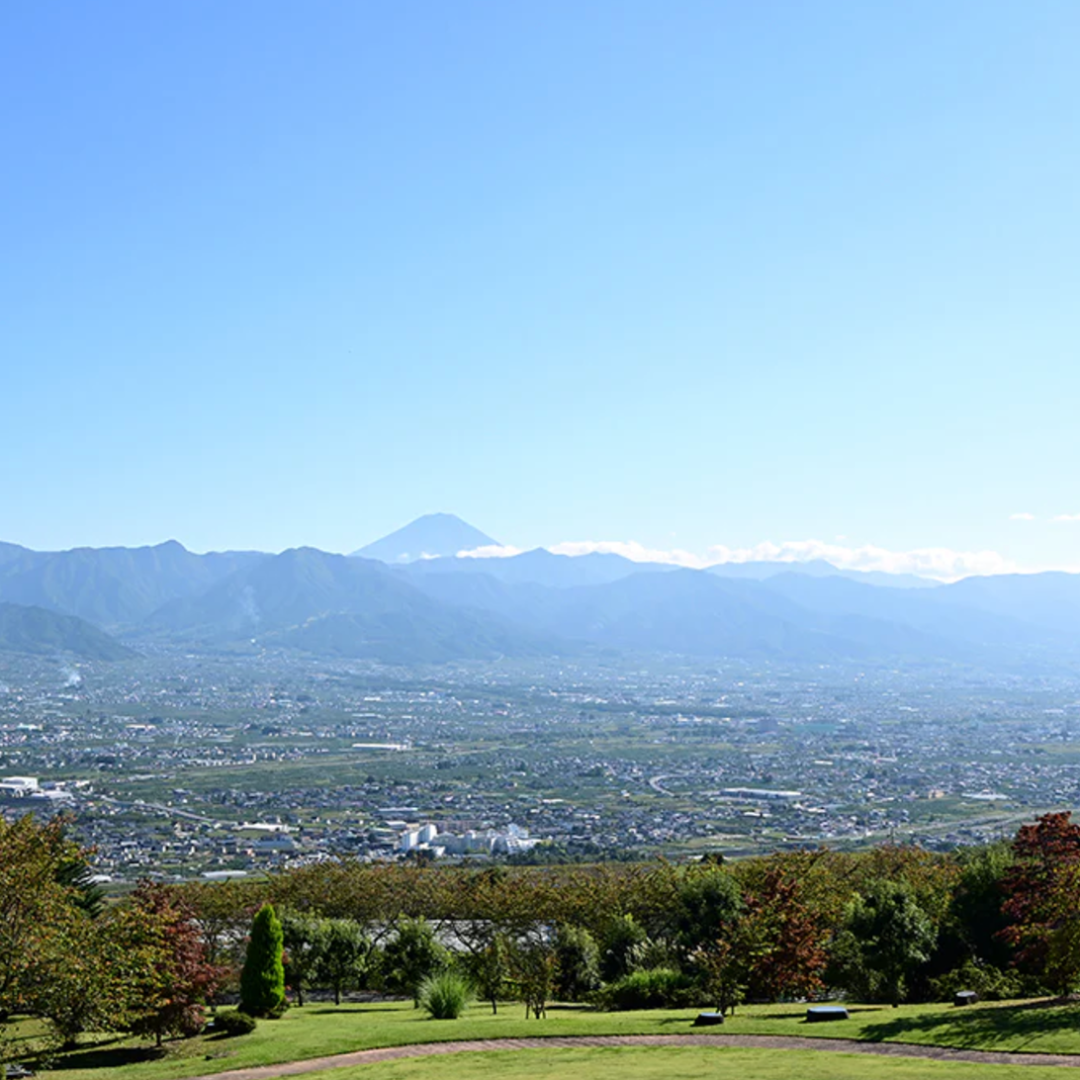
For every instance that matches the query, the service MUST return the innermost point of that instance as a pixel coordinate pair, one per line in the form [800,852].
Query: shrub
[231,1022]
[990,983]
[445,995]
[655,989]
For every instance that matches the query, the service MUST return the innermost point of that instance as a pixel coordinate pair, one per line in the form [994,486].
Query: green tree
[304,942]
[623,939]
[262,980]
[82,978]
[534,968]
[973,930]
[708,900]
[75,873]
[887,938]
[578,958]
[35,906]
[411,956]
[488,966]
[343,952]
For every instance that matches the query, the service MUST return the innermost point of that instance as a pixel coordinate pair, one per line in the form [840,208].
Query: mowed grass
[678,1063]
[320,1030]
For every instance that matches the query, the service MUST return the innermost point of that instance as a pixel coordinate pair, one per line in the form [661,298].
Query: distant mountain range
[435,609]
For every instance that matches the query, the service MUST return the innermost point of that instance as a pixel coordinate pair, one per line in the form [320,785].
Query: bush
[990,983]
[445,995]
[658,988]
[231,1022]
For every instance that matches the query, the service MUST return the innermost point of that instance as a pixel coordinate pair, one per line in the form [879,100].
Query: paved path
[770,1042]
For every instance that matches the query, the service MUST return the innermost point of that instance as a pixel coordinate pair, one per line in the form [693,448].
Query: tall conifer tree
[262,981]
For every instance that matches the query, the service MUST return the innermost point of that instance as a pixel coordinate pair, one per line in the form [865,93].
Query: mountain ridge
[25,628]
[541,603]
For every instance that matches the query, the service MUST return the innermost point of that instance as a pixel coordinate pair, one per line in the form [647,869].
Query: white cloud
[941,564]
[630,549]
[1066,517]
[1022,517]
[937,563]
[490,551]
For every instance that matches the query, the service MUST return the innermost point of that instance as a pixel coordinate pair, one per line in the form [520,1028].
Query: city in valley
[186,766]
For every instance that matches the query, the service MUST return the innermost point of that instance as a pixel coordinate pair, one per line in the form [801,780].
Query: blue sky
[689,275]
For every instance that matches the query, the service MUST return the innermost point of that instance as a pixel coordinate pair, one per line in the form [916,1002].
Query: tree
[488,966]
[411,956]
[88,895]
[708,900]
[224,910]
[83,978]
[262,980]
[342,951]
[1042,903]
[722,973]
[304,939]
[782,938]
[178,981]
[623,937]
[973,930]
[578,958]
[34,905]
[887,937]
[534,968]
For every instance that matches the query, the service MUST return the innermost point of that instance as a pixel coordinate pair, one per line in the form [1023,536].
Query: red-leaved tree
[176,980]
[1042,891]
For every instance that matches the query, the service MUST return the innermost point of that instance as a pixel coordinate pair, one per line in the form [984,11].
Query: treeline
[890,924]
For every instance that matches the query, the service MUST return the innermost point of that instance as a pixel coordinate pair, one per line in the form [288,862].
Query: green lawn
[683,1063]
[323,1029]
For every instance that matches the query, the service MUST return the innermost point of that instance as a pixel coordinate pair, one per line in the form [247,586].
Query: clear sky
[684,274]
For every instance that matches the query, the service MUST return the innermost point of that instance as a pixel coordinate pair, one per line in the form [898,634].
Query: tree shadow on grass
[986,1027]
[107,1057]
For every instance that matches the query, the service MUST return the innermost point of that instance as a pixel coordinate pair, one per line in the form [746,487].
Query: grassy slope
[322,1029]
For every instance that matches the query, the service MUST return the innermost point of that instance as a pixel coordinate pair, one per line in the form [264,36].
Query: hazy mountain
[430,536]
[533,604]
[1050,600]
[112,587]
[539,567]
[36,630]
[8,552]
[836,598]
[760,571]
[340,606]
[692,612]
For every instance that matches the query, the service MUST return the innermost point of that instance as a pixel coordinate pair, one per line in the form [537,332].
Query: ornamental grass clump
[445,995]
